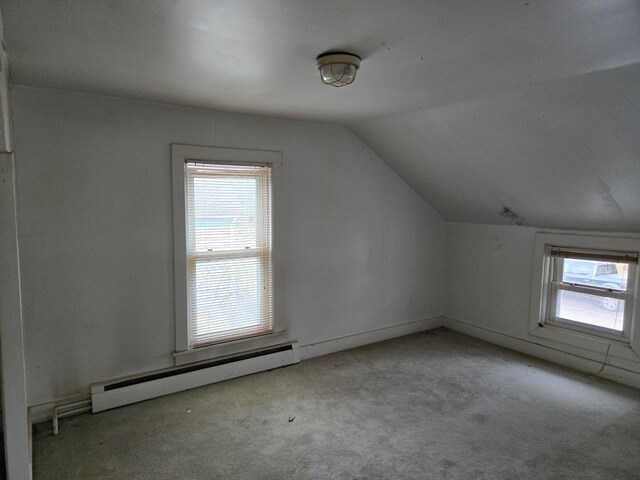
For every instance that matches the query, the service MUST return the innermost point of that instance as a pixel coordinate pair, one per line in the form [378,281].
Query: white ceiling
[529,104]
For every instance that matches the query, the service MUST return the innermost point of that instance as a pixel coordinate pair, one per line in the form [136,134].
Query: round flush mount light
[338,69]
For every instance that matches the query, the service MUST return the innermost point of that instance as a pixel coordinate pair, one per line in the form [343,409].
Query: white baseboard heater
[124,391]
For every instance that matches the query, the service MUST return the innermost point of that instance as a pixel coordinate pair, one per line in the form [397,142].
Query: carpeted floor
[435,405]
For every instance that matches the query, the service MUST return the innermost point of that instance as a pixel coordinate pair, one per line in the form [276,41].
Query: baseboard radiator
[124,391]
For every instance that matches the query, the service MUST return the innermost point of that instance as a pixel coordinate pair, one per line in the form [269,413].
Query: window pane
[227,298]
[224,211]
[591,309]
[596,273]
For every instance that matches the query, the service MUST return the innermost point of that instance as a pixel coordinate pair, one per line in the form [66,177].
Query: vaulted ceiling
[532,104]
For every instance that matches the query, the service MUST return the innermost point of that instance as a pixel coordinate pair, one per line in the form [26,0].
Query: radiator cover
[124,391]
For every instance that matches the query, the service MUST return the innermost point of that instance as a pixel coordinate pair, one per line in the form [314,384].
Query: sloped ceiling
[564,153]
[533,105]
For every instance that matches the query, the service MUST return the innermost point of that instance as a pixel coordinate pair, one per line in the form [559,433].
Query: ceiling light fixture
[337,68]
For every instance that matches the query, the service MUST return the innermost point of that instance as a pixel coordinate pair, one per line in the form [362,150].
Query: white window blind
[229,270]
[592,255]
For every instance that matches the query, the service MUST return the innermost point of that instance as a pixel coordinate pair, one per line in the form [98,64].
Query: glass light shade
[338,69]
[338,74]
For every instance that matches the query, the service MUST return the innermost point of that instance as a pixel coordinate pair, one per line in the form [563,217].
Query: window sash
[556,285]
[234,316]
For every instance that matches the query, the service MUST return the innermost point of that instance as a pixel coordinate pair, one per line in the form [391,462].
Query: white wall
[489,276]
[488,295]
[360,250]
[15,449]
[14,400]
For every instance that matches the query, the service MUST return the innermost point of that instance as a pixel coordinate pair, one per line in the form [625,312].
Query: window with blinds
[229,268]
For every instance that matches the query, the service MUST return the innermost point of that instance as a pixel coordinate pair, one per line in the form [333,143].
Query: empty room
[320,239]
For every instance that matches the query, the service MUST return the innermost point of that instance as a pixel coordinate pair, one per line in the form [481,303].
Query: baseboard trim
[326,347]
[583,364]
[43,412]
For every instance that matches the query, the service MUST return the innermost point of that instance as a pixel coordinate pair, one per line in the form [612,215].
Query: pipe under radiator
[68,410]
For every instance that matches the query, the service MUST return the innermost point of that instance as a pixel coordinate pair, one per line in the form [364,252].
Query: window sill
[233,347]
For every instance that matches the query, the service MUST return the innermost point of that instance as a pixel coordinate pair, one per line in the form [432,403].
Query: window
[591,290]
[223,245]
[228,251]
[585,290]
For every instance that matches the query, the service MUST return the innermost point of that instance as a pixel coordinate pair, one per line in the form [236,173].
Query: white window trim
[540,287]
[179,155]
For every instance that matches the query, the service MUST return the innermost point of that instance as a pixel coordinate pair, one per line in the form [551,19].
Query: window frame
[557,285]
[197,257]
[184,352]
[543,293]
